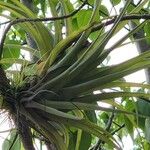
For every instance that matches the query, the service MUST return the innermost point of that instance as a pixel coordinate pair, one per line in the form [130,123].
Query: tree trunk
[24,132]
[142,45]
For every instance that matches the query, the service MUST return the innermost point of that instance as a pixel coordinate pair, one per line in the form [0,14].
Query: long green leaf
[51,110]
[81,106]
[88,127]
[104,79]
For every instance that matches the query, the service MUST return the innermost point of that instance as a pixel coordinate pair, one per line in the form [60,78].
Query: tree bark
[141,45]
[25,134]
[4,82]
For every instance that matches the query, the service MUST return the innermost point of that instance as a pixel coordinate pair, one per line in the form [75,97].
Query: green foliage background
[50,98]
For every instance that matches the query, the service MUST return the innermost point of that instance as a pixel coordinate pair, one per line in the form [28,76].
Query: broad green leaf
[85,141]
[143,107]
[140,121]
[33,52]
[91,115]
[147,31]
[13,61]
[130,118]
[41,34]
[147,131]
[13,142]
[43,4]
[115,2]
[83,17]
[69,5]
[146,145]
[104,116]
[129,126]
[12,53]
[104,11]
[93,36]
[129,104]
[91,2]
[75,24]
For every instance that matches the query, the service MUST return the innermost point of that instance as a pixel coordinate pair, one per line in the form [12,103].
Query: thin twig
[122,126]
[110,121]
[9,130]
[108,126]
[116,124]
[138,2]
[6,22]
[16,21]
[112,133]
[95,28]
[46,19]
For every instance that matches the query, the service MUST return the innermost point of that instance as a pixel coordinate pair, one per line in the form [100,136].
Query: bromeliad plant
[51,97]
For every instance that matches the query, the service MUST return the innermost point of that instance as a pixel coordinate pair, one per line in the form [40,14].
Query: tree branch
[46,19]
[142,45]
[16,21]
[94,28]
[25,133]
[122,126]
[108,126]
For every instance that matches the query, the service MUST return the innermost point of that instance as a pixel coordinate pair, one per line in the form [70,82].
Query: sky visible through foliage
[117,56]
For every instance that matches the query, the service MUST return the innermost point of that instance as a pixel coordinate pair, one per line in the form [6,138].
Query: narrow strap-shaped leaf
[102,57]
[81,40]
[13,60]
[46,129]
[122,84]
[64,43]
[113,103]
[88,127]
[79,132]
[67,105]
[51,132]
[110,95]
[68,21]
[99,72]
[93,84]
[119,42]
[104,77]
[51,110]
[97,50]
[39,32]
[57,23]
[84,125]
[29,49]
